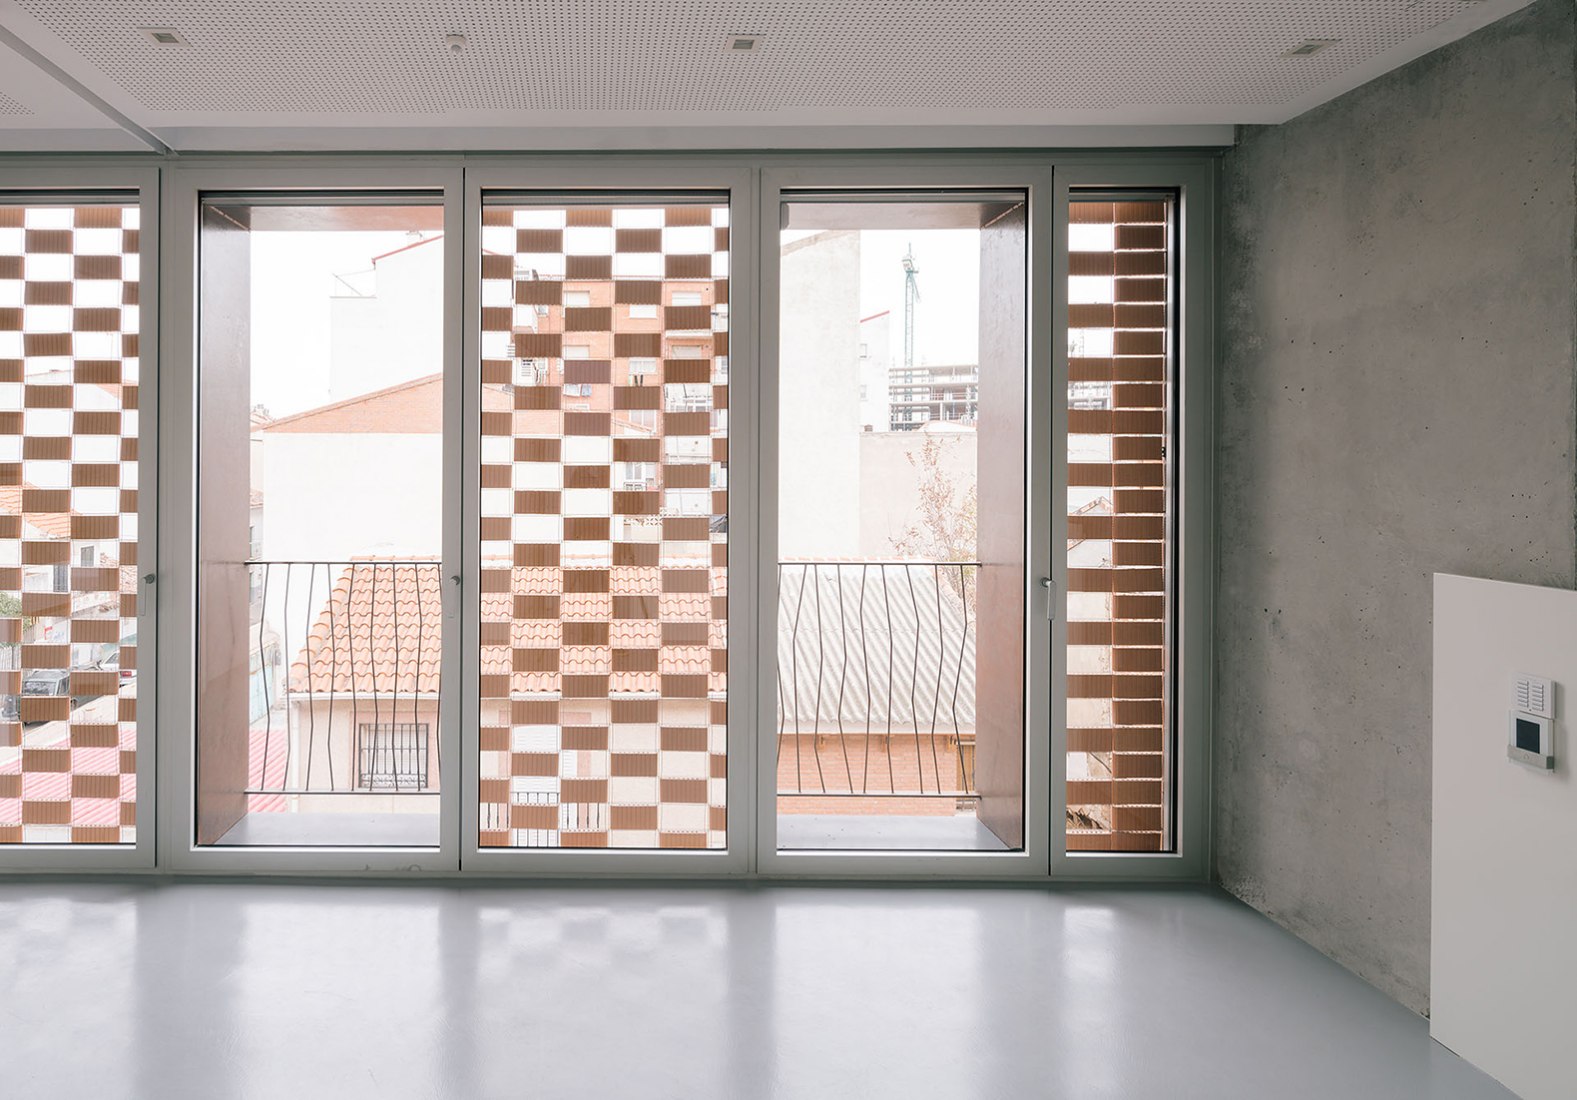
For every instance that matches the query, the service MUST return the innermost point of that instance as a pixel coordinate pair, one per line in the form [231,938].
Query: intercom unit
[1530,729]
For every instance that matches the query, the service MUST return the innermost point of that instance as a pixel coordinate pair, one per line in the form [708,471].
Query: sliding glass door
[321,510]
[901,610]
[320,522]
[819,518]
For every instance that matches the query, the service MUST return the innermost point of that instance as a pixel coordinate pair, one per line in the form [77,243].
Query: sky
[946,318]
[293,282]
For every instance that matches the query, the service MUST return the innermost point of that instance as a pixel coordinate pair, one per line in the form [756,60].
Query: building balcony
[342,711]
[876,705]
[875,738]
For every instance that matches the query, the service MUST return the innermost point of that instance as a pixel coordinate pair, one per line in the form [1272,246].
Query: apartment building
[930,394]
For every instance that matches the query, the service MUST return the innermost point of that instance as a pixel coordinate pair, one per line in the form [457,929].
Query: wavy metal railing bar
[384,761]
[924,684]
[958,679]
[268,706]
[312,712]
[333,679]
[914,676]
[816,707]
[286,693]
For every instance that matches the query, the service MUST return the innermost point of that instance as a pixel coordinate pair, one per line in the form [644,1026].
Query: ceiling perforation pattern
[387,57]
[9,106]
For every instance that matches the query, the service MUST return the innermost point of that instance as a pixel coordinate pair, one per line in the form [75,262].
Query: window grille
[391,756]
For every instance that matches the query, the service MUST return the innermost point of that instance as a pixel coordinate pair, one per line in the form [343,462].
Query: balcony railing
[344,681]
[876,679]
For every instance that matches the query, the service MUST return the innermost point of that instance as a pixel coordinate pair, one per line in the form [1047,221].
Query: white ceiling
[309,74]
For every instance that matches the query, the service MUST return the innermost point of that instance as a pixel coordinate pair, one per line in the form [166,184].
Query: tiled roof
[899,624]
[380,631]
[893,641]
[435,238]
[894,638]
[58,786]
[55,525]
[268,758]
[414,408]
[408,408]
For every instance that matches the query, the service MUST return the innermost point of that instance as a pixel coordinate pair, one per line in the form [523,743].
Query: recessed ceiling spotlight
[164,36]
[1310,46]
[455,42]
[742,43]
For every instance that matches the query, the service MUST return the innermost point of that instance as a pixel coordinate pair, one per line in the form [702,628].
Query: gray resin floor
[218,990]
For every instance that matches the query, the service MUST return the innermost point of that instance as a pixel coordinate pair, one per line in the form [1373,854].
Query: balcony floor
[209,989]
[815,832]
[885,833]
[334,830]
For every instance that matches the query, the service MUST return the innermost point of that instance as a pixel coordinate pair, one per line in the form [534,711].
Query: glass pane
[68,524]
[901,525]
[320,524]
[604,525]
[1119,525]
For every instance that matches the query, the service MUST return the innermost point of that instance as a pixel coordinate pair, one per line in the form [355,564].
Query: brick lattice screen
[68,524]
[1118,500]
[604,520]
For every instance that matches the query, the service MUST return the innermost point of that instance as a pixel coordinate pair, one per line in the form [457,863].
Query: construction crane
[911,295]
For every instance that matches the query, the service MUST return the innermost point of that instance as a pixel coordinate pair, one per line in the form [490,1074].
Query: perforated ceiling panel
[9,106]
[388,58]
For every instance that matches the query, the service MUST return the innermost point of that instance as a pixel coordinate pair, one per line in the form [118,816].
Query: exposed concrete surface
[1396,399]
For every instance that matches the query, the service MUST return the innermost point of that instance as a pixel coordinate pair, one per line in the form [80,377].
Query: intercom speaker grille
[389,58]
[1534,696]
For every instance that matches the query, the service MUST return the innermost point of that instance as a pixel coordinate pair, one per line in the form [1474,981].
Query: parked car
[52,681]
[111,663]
[38,682]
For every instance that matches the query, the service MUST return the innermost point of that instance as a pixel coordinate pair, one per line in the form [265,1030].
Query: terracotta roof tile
[380,631]
[408,408]
[55,525]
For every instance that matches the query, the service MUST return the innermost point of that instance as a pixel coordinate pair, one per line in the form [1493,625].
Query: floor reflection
[386,990]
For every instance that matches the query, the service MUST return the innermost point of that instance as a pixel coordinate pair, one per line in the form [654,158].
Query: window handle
[148,581]
[1051,598]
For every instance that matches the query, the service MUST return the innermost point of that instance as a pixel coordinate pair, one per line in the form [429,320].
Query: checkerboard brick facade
[1120,386]
[68,523]
[604,519]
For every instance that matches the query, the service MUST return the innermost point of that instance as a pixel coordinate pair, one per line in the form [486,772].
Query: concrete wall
[1396,399]
[333,497]
[323,731]
[876,362]
[819,397]
[395,335]
[890,480]
[1503,979]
